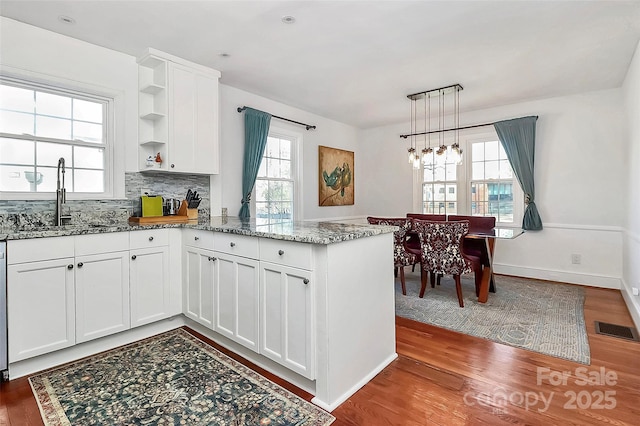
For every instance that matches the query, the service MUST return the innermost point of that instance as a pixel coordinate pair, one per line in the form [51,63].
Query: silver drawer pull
[150,238]
[232,244]
[280,252]
[134,257]
[196,238]
[69,266]
[212,259]
[80,265]
[305,281]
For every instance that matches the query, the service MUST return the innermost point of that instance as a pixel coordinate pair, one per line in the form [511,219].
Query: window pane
[53,105]
[13,178]
[491,150]
[503,154]
[261,188]
[505,170]
[48,154]
[88,181]
[262,171]
[477,171]
[16,99]
[438,190]
[16,151]
[49,179]
[491,170]
[285,169]
[273,167]
[58,128]
[477,152]
[451,192]
[450,172]
[17,123]
[262,209]
[285,149]
[439,173]
[88,158]
[275,191]
[87,132]
[87,111]
[273,148]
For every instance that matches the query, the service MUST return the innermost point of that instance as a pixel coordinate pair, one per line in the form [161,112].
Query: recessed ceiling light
[288,19]
[66,19]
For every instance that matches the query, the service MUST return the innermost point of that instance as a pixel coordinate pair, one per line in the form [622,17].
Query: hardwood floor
[446,378]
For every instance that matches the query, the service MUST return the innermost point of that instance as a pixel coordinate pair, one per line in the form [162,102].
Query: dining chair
[401,257]
[413,242]
[442,253]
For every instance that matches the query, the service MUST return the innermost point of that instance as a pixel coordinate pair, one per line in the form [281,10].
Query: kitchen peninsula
[312,302]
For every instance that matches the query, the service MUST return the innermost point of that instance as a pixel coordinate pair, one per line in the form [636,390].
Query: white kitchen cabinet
[198,269]
[236,299]
[178,105]
[150,288]
[40,306]
[286,317]
[102,294]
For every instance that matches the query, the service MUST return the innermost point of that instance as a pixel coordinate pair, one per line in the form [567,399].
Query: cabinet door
[198,269]
[102,295]
[286,317]
[236,299]
[193,118]
[40,305]
[150,286]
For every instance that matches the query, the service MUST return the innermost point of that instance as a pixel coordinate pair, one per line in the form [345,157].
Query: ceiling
[355,61]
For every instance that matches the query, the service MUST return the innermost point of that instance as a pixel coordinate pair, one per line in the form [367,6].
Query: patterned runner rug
[170,379]
[536,315]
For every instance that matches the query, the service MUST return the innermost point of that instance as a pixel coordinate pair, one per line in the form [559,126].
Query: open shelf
[152,89]
[153,116]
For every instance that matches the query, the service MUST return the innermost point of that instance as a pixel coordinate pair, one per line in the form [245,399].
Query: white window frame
[463,174]
[296,169]
[50,84]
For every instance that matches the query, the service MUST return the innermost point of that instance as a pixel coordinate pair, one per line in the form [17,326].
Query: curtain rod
[307,126]
[450,130]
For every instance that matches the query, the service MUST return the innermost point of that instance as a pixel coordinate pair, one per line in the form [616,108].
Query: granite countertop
[304,232]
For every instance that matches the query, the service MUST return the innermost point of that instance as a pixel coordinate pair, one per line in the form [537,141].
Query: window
[276,188]
[439,195]
[483,185]
[38,125]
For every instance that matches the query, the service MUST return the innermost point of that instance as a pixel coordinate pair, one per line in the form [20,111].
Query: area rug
[536,315]
[170,379]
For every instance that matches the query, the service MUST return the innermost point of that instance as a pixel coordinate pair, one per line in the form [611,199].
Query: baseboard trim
[634,309]
[592,280]
[342,398]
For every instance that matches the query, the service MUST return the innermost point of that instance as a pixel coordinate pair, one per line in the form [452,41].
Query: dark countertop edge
[363,231]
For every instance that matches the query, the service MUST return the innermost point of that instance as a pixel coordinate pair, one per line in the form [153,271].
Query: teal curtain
[256,130]
[518,138]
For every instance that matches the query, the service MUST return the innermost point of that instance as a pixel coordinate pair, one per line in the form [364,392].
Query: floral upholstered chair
[401,257]
[441,251]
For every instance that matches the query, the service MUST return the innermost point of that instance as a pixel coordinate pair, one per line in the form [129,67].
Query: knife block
[192,214]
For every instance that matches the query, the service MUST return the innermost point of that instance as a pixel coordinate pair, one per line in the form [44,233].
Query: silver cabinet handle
[80,264]
[196,238]
[212,259]
[232,244]
[69,266]
[280,252]
[305,281]
[150,238]
[134,257]
[172,165]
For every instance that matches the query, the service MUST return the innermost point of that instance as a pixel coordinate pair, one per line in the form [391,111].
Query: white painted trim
[634,308]
[592,280]
[332,406]
[582,227]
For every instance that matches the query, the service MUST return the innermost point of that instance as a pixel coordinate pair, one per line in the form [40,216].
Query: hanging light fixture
[442,152]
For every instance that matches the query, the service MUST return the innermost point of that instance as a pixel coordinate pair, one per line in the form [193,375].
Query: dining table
[490,237]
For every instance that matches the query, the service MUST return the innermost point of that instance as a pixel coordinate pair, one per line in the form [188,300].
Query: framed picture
[336,172]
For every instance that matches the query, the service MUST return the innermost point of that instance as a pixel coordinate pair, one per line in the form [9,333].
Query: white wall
[45,55]
[631,254]
[580,179]
[227,187]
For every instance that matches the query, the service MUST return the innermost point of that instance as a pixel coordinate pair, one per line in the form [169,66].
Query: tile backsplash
[41,212]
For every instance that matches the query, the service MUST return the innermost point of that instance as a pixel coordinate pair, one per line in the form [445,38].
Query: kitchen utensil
[171,206]
[151,205]
[189,195]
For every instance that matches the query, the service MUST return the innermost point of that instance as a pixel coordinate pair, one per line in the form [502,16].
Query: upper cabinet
[178,108]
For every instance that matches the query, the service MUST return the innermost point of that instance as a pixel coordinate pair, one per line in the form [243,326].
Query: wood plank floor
[446,378]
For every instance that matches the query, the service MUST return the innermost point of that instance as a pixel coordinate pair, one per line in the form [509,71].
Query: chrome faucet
[61,195]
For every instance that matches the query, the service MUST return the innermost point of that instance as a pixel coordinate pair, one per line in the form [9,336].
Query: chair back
[441,246]
[476,223]
[400,255]
[422,216]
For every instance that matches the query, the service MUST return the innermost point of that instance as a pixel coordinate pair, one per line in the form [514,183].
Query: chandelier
[445,100]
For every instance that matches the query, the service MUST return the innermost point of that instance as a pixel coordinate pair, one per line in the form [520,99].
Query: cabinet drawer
[101,243]
[289,253]
[197,238]
[149,238]
[36,249]
[240,245]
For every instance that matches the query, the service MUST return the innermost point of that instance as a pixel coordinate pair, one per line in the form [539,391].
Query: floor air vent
[614,330]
